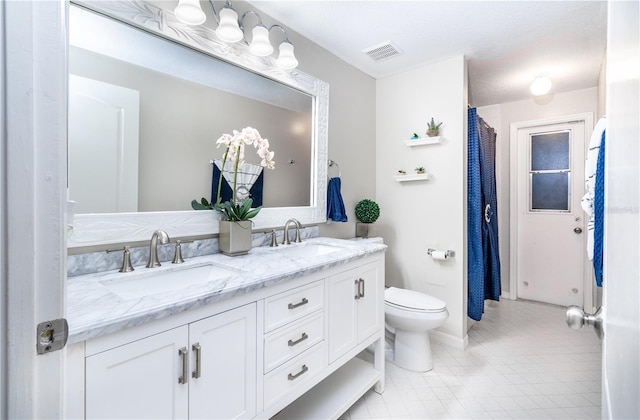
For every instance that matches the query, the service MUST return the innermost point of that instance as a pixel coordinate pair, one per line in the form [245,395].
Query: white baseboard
[506,295]
[449,340]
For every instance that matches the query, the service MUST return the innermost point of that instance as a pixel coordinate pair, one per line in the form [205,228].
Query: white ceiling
[507,43]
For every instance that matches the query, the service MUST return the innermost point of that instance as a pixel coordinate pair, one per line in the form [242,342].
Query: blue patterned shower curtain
[483,271]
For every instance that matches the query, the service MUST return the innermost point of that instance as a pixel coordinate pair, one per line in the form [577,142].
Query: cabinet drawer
[291,340]
[284,380]
[294,304]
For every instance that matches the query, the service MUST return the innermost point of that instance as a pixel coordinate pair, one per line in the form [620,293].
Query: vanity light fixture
[231,29]
[540,86]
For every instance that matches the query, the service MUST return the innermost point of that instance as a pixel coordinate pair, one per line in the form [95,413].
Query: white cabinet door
[343,289]
[226,383]
[370,310]
[355,308]
[138,380]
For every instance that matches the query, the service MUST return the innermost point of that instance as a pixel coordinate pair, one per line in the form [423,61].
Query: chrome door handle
[357,283]
[576,319]
[299,340]
[292,377]
[578,230]
[185,365]
[361,287]
[304,301]
[196,373]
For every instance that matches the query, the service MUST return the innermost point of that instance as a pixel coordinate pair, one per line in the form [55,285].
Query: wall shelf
[417,177]
[422,141]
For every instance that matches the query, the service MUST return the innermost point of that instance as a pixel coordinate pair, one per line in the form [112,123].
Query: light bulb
[541,86]
[228,29]
[190,12]
[287,60]
[260,44]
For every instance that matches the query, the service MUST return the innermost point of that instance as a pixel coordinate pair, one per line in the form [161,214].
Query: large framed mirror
[149,96]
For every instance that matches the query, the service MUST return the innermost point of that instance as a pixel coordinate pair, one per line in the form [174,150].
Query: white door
[139,380]
[550,221]
[369,312]
[223,365]
[343,289]
[103,146]
[621,345]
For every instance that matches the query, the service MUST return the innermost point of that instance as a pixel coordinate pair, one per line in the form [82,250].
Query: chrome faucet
[153,247]
[285,240]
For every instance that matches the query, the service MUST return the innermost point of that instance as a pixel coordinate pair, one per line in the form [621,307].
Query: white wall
[425,214]
[501,117]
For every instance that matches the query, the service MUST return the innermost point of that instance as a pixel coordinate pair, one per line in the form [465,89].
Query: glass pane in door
[550,171]
[550,191]
[550,151]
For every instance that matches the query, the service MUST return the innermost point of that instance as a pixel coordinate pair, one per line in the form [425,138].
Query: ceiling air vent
[382,51]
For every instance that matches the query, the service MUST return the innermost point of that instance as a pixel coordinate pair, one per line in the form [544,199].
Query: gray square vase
[366,230]
[235,237]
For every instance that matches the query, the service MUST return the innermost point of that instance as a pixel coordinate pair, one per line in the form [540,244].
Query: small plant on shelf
[401,172]
[420,170]
[415,136]
[433,129]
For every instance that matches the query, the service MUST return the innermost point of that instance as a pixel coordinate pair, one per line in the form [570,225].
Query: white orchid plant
[235,145]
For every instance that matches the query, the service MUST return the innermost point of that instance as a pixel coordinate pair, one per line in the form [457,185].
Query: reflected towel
[335,205]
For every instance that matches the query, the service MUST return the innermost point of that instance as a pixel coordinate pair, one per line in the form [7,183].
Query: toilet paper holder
[449,253]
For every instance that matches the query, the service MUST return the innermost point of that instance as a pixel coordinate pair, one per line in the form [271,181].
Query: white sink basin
[307,250]
[152,281]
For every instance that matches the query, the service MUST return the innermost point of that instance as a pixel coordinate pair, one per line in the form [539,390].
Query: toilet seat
[411,300]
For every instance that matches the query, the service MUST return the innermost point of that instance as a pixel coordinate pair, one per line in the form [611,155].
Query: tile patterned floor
[522,362]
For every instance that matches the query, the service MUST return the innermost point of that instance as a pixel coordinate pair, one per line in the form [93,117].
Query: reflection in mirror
[190,88]
[143,126]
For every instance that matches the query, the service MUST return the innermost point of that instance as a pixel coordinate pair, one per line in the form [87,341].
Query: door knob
[576,319]
[577,230]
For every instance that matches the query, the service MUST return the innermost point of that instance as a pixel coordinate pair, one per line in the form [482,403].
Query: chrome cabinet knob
[576,319]
[578,230]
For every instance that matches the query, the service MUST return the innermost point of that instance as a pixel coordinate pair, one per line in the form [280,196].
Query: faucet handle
[126,259]
[177,258]
[274,238]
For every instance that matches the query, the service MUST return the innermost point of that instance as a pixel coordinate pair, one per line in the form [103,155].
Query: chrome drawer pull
[304,369]
[299,340]
[304,301]
[196,348]
[185,367]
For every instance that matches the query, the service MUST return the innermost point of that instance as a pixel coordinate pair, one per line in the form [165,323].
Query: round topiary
[367,211]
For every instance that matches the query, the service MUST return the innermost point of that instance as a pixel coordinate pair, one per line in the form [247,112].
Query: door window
[550,172]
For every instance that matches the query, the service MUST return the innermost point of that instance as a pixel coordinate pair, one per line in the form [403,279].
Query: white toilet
[409,315]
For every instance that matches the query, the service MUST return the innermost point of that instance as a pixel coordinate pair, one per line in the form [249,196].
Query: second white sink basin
[307,250]
[153,281]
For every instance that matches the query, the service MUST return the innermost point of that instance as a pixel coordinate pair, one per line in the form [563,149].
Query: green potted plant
[235,224]
[433,129]
[402,172]
[415,136]
[367,212]
[420,170]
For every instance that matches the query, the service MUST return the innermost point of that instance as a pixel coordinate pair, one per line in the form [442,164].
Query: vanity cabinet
[354,308]
[285,351]
[201,370]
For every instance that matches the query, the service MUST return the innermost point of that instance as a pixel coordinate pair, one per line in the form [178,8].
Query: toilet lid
[413,300]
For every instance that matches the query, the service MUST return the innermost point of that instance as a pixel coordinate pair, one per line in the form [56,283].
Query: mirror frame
[109,228]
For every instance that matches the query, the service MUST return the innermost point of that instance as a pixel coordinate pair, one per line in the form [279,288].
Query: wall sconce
[231,29]
[540,86]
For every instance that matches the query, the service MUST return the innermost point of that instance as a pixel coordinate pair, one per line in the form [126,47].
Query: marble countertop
[96,308]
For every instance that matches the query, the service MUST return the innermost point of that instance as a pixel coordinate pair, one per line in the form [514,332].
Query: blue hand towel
[335,205]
